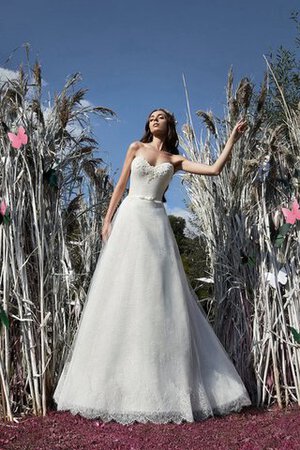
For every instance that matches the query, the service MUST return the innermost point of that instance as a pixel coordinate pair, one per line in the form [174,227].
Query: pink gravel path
[251,429]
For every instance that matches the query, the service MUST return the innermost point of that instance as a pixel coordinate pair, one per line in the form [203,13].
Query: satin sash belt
[145,198]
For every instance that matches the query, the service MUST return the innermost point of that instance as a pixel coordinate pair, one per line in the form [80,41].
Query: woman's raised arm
[217,167]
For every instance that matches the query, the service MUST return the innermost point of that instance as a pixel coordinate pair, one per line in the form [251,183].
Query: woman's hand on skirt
[106,230]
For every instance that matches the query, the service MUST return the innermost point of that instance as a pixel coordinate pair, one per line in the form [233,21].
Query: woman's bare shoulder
[132,150]
[176,160]
[135,145]
[178,157]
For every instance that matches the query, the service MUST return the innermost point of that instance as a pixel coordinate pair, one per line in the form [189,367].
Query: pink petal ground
[252,429]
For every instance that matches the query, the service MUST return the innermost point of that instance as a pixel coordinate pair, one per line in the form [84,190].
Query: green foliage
[3,318]
[295,333]
[283,230]
[193,255]
[285,64]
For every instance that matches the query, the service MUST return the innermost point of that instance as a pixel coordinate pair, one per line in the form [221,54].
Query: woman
[144,350]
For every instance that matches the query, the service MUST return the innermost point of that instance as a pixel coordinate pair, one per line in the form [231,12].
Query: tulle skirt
[144,350]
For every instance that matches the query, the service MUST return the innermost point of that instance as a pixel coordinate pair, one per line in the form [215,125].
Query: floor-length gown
[144,350]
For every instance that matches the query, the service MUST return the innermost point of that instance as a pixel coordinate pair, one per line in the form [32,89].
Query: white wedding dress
[144,350]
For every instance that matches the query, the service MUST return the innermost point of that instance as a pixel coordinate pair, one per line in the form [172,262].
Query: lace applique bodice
[147,181]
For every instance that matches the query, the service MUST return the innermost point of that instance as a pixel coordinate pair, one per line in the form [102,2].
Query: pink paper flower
[292,215]
[3,208]
[18,139]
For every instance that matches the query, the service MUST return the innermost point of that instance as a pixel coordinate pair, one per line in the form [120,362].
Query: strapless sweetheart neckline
[157,165]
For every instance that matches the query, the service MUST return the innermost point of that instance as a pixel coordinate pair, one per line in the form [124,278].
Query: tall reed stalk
[255,315]
[49,236]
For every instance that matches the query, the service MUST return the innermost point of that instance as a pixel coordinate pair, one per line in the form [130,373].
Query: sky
[132,55]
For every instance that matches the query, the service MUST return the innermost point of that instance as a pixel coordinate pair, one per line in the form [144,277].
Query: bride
[144,350]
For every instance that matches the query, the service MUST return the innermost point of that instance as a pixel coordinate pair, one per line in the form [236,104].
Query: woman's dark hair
[171,142]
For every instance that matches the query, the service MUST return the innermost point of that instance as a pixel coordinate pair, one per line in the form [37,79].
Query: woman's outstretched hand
[239,129]
[106,230]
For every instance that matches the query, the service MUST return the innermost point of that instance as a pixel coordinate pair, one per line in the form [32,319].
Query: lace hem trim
[156,417]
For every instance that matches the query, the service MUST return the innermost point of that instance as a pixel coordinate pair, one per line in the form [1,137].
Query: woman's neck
[158,143]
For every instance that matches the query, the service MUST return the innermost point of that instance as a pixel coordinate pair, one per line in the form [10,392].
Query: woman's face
[158,123]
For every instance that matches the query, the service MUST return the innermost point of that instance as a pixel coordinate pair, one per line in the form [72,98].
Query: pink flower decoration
[18,139]
[3,208]
[292,215]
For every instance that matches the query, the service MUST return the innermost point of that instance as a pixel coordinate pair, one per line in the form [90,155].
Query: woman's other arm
[119,188]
